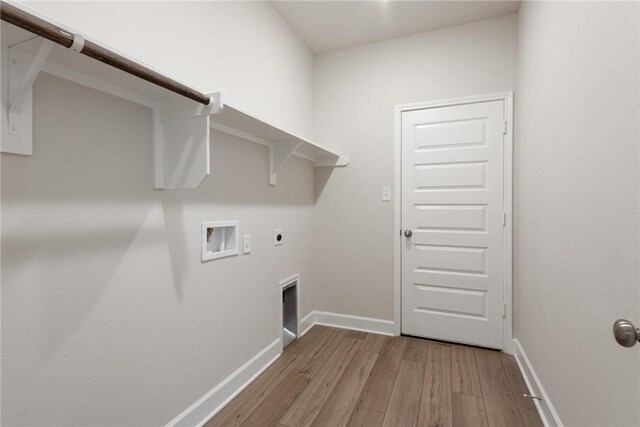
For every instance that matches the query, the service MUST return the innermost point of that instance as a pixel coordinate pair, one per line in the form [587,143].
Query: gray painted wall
[577,205]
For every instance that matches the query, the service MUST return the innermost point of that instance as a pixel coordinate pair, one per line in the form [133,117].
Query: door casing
[507,97]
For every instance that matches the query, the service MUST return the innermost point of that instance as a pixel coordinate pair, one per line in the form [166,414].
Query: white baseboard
[356,323]
[307,323]
[546,410]
[212,402]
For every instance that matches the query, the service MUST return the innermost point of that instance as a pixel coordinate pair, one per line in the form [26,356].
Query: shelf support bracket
[20,85]
[19,72]
[181,148]
[279,153]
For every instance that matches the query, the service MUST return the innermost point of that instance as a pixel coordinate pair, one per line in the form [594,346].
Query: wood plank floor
[334,377]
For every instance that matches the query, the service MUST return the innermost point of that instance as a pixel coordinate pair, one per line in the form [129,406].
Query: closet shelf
[181,125]
[282,144]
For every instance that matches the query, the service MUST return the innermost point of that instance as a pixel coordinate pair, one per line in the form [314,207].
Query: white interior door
[453,263]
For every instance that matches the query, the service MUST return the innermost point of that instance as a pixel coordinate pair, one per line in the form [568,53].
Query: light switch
[246,248]
[386,194]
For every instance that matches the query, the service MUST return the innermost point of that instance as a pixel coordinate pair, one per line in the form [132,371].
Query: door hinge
[504,127]
[504,218]
[504,309]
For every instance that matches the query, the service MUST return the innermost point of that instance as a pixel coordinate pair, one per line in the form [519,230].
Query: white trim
[283,284]
[347,321]
[307,323]
[508,229]
[498,96]
[355,323]
[507,97]
[546,410]
[397,223]
[216,399]
[212,402]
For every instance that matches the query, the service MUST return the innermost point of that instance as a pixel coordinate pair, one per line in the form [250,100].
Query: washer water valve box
[219,239]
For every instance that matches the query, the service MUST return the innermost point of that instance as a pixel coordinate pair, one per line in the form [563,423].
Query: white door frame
[507,97]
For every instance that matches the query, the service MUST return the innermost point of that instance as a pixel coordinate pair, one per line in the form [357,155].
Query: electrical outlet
[246,247]
[386,194]
[278,237]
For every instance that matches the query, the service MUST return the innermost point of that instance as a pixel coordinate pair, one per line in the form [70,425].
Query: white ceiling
[331,25]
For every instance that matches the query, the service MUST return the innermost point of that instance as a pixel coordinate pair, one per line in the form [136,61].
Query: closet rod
[31,23]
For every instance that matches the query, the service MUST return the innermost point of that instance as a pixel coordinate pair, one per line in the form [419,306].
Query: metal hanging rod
[49,31]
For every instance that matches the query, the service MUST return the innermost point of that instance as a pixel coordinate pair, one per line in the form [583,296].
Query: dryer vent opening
[289,313]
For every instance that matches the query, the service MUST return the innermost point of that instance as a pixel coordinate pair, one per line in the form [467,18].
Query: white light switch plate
[246,247]
[386,194]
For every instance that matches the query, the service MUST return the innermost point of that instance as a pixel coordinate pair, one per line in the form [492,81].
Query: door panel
[453,265]
[451,176]
[451,217]
[454,133]
[451,300]
[450,258]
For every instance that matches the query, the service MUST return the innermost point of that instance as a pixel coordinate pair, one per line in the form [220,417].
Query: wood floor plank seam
[468,411]
[500,407]
[334,377]
[406,398]
[249,399]
[322,353]
[416,350]
[465,376]
[309,403]
[489,363]
[436,407]
[375,343]
[376,393]
[364,417]
[340,405]
[272,408]
[528,411]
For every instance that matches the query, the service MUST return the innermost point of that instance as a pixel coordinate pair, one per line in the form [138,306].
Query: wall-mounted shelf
[282,145]
[181,125]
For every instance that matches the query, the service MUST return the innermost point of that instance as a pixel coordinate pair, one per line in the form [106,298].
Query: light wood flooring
[334,377]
